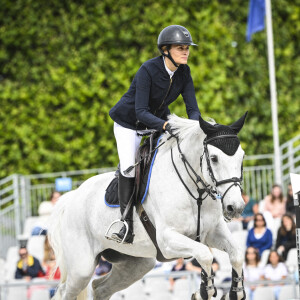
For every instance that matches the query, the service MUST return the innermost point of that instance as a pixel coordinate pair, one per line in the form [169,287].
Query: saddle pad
[111,195]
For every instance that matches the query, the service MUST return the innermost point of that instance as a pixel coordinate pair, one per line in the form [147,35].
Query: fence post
[16,204]
[291,158]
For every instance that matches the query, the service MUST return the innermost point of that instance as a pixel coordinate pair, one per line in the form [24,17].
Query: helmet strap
[169,56]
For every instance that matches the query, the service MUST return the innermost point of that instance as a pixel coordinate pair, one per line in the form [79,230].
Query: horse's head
[222,164]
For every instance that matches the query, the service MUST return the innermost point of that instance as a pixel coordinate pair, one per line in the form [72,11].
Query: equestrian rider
[144,107]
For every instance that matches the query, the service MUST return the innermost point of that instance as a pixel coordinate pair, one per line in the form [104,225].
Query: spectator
[28,267]
[45,210]
[49,261]
[49,265]
[275,202]
[46,207]
[286,237]
[290,208]
[275,270]
[103,267]
[250,210]
[179,266]
[260,236]
[252,271]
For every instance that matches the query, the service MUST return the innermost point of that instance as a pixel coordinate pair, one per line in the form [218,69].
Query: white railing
[290,158]
[145,291]
[10,218]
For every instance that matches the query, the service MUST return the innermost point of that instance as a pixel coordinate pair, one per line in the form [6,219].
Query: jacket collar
[159,61]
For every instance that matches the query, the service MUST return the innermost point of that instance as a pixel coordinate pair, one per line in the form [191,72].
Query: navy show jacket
[145,104]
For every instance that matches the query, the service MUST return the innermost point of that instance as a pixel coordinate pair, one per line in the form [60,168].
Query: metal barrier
[10,218]
[191,277]
[290,159]
[258,175]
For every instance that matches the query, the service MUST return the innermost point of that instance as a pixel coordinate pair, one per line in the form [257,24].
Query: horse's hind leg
[123,273]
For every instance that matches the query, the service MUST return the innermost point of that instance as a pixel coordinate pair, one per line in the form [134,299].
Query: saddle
[146,156]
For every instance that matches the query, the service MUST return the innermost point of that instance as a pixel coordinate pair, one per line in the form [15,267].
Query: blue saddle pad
[111,195]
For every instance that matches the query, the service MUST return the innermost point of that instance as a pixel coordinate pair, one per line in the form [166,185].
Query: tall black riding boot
[125,191]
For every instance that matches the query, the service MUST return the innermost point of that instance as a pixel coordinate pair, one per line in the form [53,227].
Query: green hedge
[63,65]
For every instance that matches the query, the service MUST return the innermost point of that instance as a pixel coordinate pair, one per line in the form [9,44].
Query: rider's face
[180,53]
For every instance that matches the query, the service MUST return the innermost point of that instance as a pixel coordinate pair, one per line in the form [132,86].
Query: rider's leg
[127,142]
[125,192]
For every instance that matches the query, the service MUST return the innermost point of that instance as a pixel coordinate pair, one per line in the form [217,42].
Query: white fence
[152,287]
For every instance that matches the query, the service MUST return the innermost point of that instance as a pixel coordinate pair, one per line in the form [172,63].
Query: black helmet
[174,34]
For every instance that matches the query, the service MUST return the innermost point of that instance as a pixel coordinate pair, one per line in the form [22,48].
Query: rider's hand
[169,129]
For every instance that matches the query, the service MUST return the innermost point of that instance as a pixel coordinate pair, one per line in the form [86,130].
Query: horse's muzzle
[233,211]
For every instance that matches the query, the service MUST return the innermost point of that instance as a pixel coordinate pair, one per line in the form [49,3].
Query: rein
[206,188]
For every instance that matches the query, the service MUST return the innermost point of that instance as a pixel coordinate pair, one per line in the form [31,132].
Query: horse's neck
[192,149]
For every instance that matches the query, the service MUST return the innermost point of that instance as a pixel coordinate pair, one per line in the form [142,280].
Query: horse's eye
[214,158]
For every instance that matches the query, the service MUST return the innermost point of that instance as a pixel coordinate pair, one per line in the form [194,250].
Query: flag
[256,17]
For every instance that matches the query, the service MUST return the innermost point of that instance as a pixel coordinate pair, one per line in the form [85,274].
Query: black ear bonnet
[228,145]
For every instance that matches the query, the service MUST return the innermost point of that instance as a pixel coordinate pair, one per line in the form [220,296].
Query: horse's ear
[237,126]
[206,127]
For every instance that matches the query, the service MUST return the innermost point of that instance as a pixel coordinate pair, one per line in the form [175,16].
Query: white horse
[81,218]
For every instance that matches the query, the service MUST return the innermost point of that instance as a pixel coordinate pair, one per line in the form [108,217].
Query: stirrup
[111,236]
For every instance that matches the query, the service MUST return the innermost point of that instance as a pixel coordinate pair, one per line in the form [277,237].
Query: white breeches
[128,143]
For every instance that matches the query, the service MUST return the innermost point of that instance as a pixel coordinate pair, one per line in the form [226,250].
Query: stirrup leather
[113,235]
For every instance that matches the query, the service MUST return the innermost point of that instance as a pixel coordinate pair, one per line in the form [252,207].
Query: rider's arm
[142,109]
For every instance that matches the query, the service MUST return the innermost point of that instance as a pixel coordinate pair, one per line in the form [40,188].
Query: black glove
[169,129]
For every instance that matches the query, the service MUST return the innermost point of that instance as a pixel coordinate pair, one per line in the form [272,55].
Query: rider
[144,107]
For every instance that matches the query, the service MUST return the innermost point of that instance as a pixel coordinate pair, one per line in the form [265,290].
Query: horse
[200,157]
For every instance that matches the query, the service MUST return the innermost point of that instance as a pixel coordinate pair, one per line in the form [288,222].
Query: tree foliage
[64,64]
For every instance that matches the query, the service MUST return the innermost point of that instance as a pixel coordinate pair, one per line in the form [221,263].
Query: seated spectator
[252,271]
[260,236]
[290,208]
[103,267]
[45,209]
[275,270]
[275,202]
[179,266]
[286,237]
[49,262]
[28,267]
[250,210]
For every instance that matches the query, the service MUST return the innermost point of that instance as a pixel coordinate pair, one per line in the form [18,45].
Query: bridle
[206,188]
[235,180]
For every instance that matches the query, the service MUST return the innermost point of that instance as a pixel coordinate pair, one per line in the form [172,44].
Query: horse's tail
[55,238]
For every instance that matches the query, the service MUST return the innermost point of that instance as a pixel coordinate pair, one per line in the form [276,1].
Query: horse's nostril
[230,208]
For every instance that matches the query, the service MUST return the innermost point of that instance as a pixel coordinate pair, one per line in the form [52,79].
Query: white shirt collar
[171,73]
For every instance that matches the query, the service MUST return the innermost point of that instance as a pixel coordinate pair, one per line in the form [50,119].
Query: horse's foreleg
[222,240]
[175,245]
[123,274]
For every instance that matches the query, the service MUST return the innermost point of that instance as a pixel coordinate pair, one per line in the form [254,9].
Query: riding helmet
[174,34]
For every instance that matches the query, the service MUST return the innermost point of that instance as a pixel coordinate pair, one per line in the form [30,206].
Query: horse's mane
[184,129]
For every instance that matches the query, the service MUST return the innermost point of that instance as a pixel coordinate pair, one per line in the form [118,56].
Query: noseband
[206,188]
